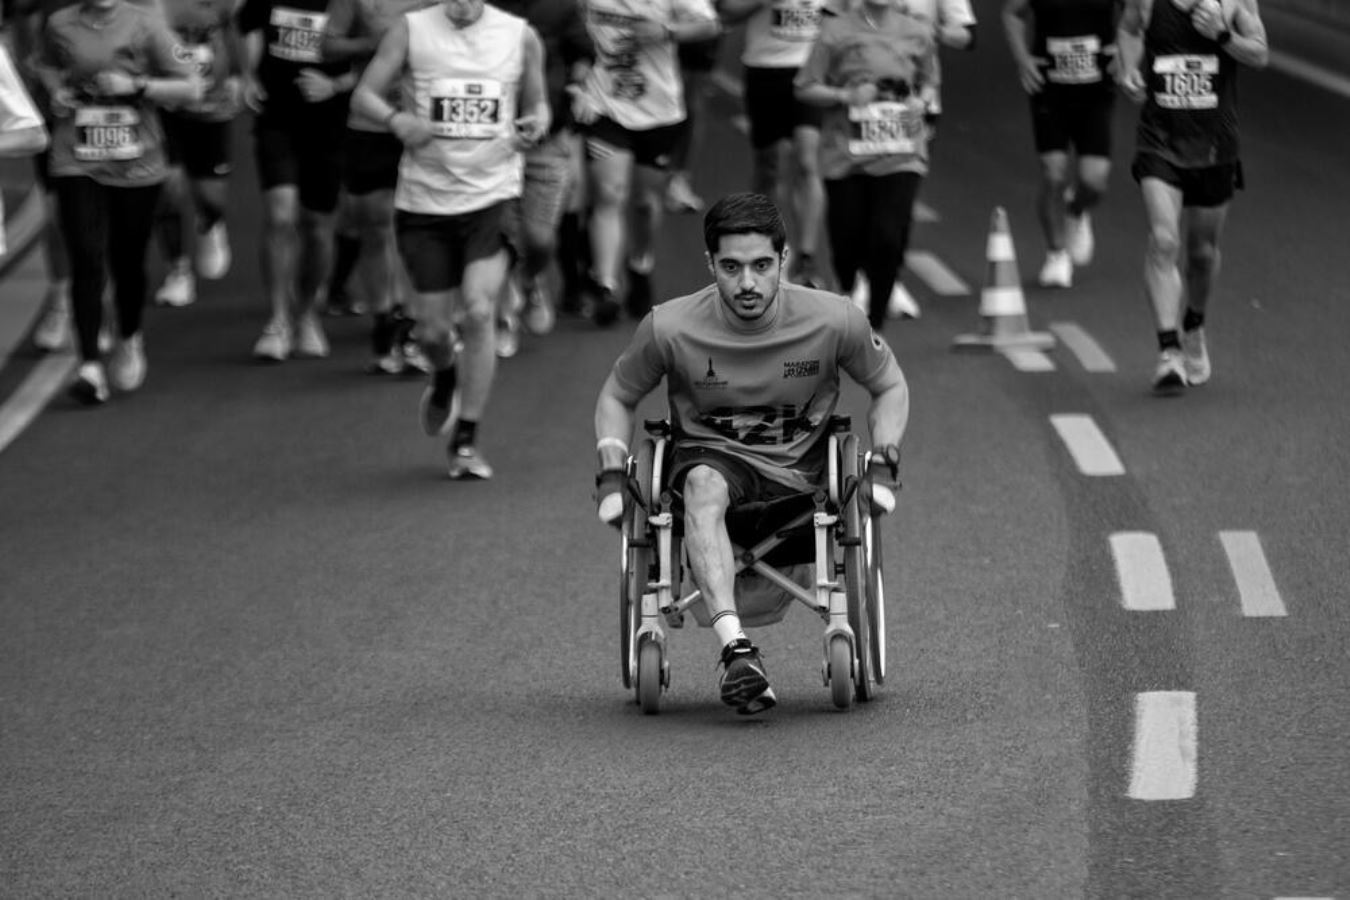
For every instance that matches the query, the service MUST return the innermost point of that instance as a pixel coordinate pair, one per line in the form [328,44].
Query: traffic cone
[1002,305]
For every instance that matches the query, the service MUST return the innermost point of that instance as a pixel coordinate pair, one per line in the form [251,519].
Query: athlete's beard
[752,295]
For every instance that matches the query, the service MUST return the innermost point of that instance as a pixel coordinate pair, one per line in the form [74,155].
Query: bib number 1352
[466,109]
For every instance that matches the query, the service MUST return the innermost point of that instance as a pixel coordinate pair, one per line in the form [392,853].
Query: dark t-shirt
[292,41]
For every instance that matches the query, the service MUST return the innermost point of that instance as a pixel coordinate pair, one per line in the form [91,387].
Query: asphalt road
[253,643]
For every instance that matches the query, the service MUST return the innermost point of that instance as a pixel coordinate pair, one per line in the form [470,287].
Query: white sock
[728,627]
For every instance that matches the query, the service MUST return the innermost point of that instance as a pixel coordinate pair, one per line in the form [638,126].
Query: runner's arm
[387,64]
[615,419]
[533,123]
[343,38]
[1017,25]
[1248,42]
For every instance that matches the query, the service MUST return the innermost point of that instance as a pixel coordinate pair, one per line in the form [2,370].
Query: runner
[370,174]
[198,139]
[697,61]
[872,70]
[1180,59]
[778,38]
[21,130]
[301,105]
[568,55]
[1063,50]
[632,110]
[473,80]
[105,65]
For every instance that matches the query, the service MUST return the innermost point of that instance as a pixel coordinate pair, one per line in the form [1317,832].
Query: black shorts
[1084,125]
[773,108]
[302,146]
[651,147]
[1204,187]
[699,56]
[202,148]
[435,249]
[370,161]
[744,484]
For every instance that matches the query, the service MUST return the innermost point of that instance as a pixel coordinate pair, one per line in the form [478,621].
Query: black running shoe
[745,684]
[640,292]
[603,305]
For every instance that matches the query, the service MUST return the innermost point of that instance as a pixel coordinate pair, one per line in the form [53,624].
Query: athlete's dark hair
[744,213]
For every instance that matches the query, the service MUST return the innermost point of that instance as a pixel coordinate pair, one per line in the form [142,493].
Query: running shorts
[201,147]
[302,146]
[435,249]
[699,56]
[1204,187]
[651,147]
[370,161]
[1084,126]
[744,484]
[773,108]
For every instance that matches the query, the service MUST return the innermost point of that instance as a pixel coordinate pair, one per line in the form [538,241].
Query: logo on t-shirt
[801,368]
[710,379]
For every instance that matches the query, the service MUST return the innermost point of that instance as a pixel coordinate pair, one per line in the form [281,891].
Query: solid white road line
[935,273]
[37,389]
[1090,450]
[1256,585]
[1310,72]
[1145,584]
[1090,354]
[1030,360]
[1163,766]
[925,213]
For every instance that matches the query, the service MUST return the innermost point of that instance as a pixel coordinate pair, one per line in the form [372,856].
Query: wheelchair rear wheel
[635,559]
[862,573]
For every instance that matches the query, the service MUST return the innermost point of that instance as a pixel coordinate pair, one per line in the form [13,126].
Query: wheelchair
[821,549]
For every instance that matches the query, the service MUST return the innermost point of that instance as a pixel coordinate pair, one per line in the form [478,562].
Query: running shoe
[539,315]
[1195,356]
[414,360]
[601,303]
[309,337]
[126,366]
[1170,377]
[640,293]
[804,273]
[1079,239]
[53,329]
[179,287]
[213,252]
[1057,270]
[902,304]
[440,401]
[680,196]
[508,335]
[90,386]
[275,343]
[745,684]
[861,295]
[390,363]
[465,462]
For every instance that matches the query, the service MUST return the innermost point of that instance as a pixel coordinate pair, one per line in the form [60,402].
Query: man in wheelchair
[751,364]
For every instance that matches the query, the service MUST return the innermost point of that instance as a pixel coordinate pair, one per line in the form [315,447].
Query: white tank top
[779,35]
[464,81]
[638,86]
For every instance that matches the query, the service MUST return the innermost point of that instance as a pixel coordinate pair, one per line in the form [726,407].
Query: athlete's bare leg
[280,249]
[610,183]
[1204,228]
[706,498]
[1162,273]
[482,284]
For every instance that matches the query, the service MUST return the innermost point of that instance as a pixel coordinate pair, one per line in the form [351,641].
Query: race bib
[880,129]
[1074,60]
[1185,81]
[107,133]
[467,109]
[299,35]
[797,22]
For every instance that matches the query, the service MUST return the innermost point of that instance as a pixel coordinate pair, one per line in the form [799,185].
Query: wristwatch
[1224,37]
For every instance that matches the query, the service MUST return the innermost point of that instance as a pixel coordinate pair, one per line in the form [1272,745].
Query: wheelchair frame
[848,593]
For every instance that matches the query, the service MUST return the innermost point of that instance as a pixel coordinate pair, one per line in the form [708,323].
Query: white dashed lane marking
[940,279]
[1030,360]
[1256,585]
[1090,354]
[1090,449]
[21,407]
[1163,764]
[1141,569]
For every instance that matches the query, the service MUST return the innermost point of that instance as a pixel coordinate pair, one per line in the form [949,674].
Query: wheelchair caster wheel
[650,677]
[841,672]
